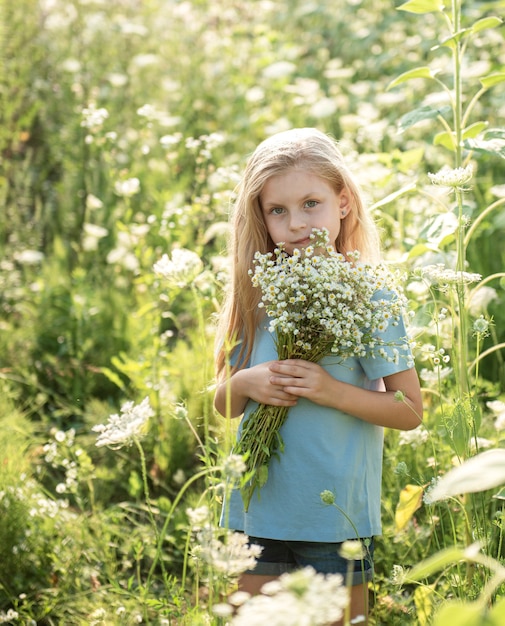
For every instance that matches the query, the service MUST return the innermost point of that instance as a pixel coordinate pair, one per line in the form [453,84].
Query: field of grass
[124,126]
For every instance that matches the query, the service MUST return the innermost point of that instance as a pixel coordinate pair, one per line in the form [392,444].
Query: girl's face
[295,202]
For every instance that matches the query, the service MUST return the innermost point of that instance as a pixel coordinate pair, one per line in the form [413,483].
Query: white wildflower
[127,188]
[8,617]
[29,257]
[181,269]
[198,517]
[398,575]
[498,408]
[480,299]
[239,597]
[222,609]
[352,550]
[480,443]
[456,178]
[279,69]
[441,275]
[167,141]
[299,598]
[324,107]
[231,555]
[479,473]
[93,118]
[92,202]
[97,617]
[434,376]
[413,438]
[92,235]
[148,111]
[124,428]
[234,466]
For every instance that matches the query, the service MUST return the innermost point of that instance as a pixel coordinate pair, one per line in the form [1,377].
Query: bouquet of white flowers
[319,303]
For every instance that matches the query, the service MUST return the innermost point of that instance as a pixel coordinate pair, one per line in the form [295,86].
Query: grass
[124,128]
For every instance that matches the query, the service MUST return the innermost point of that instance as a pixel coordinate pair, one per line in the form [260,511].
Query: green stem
[170,513]
[487,352]
[456,22]
[462,322]
[480,218]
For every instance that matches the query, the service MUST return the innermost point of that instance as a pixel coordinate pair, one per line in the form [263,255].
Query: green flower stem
[145,485]
[480,218]
[462,335]
[170,513]
[458,115]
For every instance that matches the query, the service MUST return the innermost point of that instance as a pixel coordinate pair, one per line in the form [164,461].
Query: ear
[344,203]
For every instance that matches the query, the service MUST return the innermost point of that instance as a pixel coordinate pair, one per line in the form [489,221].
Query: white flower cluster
[92,117]
[180,270]
[413,438]
[441,275]
[231,556]
[322,303]
[299,598]
[127,188]
[448,177]
[123,429]
[497,407]
[9,617]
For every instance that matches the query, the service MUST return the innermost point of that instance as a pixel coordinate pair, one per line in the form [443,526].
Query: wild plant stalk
[460,138]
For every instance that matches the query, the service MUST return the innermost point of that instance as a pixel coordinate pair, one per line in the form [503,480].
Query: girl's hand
[300,378]
[267,389]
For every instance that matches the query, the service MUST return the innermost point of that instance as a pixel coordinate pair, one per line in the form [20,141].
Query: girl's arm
[400,406]
[253,383]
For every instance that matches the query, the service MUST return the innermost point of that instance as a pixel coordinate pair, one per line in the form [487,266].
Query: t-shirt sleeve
[392,352]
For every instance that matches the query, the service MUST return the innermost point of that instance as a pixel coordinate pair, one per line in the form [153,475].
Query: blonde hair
[303,148]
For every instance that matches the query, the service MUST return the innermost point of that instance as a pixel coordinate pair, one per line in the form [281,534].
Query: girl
[294,182]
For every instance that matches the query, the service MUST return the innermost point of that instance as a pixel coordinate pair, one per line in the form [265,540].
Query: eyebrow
[308,196]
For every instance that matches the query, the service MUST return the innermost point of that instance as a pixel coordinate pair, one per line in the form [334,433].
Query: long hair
[303,148]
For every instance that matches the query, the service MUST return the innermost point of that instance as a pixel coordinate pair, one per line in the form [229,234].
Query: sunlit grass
[124,128]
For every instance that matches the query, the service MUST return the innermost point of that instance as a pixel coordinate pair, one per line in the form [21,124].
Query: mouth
[302,242]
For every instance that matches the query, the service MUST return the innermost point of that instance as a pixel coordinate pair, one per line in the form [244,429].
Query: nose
[297,220]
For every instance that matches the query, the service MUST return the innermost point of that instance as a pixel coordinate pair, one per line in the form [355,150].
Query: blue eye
[276,210]
[310,204]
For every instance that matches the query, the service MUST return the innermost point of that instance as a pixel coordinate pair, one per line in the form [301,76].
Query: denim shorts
[279,557]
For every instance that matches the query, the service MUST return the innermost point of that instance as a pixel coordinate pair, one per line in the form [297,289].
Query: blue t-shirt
[324,449]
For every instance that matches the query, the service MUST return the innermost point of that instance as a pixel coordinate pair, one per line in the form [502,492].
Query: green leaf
[423,599]
[500,495]
[262,475]
[445,139]
[435,563]
[421,6]
[460,613]
[419,249]
[419,115]
[460,426]
[492,79]
[486,22]
[418,72]
[474,129]
[497,614]
[113,377]
[440,228]
[450,42]
[393,196]
[492,143]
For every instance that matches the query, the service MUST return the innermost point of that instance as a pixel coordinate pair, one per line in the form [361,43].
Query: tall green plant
[466,140]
